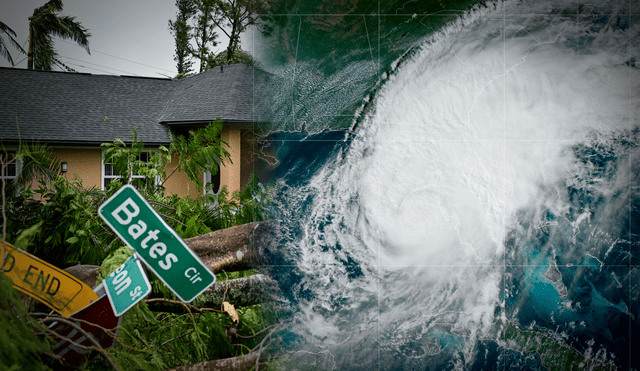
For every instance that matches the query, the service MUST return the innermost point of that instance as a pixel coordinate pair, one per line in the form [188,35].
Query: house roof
[227,93]
[85,109]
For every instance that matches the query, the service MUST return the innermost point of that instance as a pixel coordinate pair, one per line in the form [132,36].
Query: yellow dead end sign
[58,289]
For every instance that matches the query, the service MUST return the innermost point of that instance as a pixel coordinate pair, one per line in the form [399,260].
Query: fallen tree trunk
[241,292]
[240,363]
[233,249]
[85,273]
[237,248]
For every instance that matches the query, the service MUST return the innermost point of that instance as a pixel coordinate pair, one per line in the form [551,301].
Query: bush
[21,347]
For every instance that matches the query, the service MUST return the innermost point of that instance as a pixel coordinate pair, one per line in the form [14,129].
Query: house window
[109,174]
[10,172]
[214,180]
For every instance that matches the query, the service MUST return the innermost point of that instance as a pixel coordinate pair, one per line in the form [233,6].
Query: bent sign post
[56,288]
[157,244]
[126,286]
[93,320]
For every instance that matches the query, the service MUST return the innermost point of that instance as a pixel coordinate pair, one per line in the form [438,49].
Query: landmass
[553,275]
[555,354]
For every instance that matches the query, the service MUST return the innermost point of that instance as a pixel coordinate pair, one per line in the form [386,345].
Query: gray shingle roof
[85,109]
[227,93]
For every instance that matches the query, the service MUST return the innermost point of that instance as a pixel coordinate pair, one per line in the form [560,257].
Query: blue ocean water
[492,179]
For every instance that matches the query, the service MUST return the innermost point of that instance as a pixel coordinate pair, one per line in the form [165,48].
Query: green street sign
[157,244]
[126,286]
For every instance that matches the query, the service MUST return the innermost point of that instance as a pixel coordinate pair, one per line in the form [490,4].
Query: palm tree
[43,25]
[36,163]
[4,51]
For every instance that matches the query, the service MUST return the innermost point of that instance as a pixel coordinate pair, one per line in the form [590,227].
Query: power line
[19,62]
[91,68]
[99,65]
[113,56]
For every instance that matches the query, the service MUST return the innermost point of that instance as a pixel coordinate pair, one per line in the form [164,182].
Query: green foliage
[181,31]
[46,22]
[22,212]
[233,19]
[237,56]
[4,51]
[201,151]
[21,347]
[242,207]
[234,275]
[71,232]
[196,154]
[196,23]
[150,341]
[182,76]
[23,240]
[203,34]
[113,261]
[128,161]
[37,162]
[63,225]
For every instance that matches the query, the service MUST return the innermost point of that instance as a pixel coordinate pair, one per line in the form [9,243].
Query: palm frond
[4,51]
[75,32]
[44,54]
[37,163]
[53,5]
[46,23]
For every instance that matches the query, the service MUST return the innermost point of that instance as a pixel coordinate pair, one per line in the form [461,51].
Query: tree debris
[242,292]
[231,311]
[236,248]
[240,363]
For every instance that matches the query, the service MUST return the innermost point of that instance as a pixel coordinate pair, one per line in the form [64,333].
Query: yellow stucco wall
[230,171]
[178,183]
[82,163]
[248,155]
[86,165]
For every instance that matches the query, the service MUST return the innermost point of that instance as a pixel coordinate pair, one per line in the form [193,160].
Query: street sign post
[56,288]
[126,286]
[157,244]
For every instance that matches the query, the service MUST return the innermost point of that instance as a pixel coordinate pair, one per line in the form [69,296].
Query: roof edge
[64,143]
[206,122]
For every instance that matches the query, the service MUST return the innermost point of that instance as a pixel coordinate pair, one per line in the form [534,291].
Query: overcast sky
[128,37]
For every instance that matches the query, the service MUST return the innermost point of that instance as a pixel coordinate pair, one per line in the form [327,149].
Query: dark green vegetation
[21,345]
[554,353]
[156,341]
[70,231]
[4,51]
[181,29]
[65,230]
[43,25]
[194,32]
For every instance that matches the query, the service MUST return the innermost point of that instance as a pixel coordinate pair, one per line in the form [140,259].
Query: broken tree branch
[236,248]
[243,292]
[240,363]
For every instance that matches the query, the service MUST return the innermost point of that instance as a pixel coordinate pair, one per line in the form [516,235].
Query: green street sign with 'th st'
[157,244]
[126,286]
